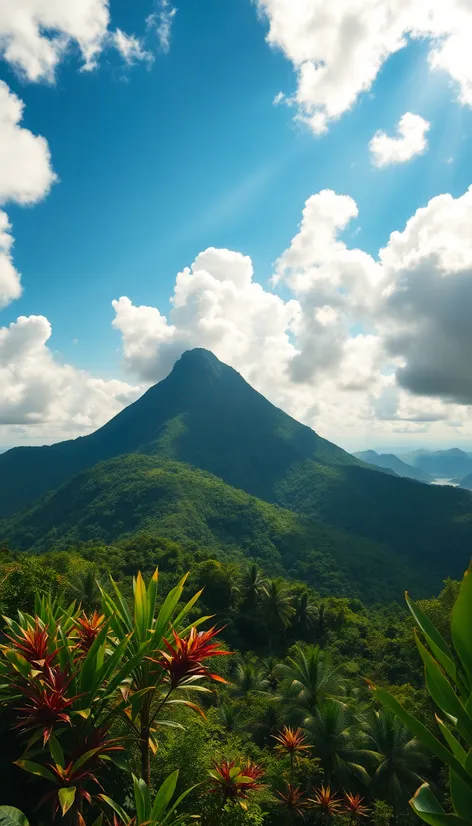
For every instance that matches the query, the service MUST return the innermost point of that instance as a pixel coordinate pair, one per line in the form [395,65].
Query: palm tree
[399,756]
[248,677]
[252,588]
[277,607]
[308,679]
[229,716]
[339,744]
[306,615]
[270,668]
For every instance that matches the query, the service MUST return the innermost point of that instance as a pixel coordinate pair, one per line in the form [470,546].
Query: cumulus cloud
[337,49]
[161,22]
[357,343]
[39,390]
[36,34]
[409,141]
[26,176]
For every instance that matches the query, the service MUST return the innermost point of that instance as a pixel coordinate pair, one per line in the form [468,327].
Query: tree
[252,588]
[400,758]
[248,677]
[308,679]
[277,608]
[306,616]
[338,744]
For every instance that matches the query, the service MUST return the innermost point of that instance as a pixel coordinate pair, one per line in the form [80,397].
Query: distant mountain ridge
[447,464]
[389,461]
[206,416]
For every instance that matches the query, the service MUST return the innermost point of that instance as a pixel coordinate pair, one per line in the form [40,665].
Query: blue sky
[158,161]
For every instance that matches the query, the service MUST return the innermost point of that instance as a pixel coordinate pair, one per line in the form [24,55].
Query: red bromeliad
[33,644]
[46,702]
[290,740]
[234,780]
[88,629]
[293,799]
[184,657]
[326,800]
[354,804]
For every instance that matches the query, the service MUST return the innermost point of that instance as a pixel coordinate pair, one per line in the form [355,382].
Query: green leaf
[167,609]
[35,768]
[66,798]
[140,607]
[461,623]
[164,795]
[442,692]
[435,641]
[139,800]
[116,808]
[185,610]
[18,662]
[452,742]
[461,795]
[56,751]
[425,805]
[422,733]
[9,816]
[84,757]
[151,594]
[177,804]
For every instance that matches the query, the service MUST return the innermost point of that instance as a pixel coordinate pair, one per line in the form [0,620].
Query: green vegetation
[188,460]
[98,708]
[448,673]
[147,494]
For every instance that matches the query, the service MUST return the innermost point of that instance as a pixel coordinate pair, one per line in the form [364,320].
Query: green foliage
[448,674]
[9,816]
[188,460]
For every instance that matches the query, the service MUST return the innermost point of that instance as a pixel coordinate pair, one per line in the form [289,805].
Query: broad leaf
[425,805]
[9,816]
[66,798]
[164,795]
[461,623]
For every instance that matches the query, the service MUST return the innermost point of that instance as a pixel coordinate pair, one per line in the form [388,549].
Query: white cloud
[26,175]
[410,141]
[161,22]
[362,345]
[337,49]
[10,285]
[36,34]
[130,48]
[39,391]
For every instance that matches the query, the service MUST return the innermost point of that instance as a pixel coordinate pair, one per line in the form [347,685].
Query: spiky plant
[234,780]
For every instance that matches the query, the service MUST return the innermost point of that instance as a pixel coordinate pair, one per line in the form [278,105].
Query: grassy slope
[137,493]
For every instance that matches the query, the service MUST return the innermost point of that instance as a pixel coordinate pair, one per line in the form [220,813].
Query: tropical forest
[204,620]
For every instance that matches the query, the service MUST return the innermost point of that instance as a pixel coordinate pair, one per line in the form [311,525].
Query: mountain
[137,494]
[445,464]
[465,483]
[389,461]
[205,415]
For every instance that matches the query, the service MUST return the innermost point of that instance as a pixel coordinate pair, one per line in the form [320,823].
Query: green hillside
[141,494]
[203,413]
